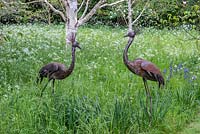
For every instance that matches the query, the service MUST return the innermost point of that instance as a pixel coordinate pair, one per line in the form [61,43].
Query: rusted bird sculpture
[142,68]
[57,71]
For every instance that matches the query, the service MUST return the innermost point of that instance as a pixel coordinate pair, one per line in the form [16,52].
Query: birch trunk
[71,21]
[49,15]
[70,15]
[130,27]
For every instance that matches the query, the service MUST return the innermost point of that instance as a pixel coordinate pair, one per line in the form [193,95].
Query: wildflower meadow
[101,96]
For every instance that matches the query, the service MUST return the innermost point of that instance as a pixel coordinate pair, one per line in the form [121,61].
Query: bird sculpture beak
[78,46]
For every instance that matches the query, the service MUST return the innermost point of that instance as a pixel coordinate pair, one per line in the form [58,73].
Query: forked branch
[91,13]
[86,8]
[144,8]
[81,5]
[55,10]
[112,4]
[102,3]
[130,23]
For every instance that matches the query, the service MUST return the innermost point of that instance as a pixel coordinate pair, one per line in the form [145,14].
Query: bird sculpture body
[142,68]
[57,71]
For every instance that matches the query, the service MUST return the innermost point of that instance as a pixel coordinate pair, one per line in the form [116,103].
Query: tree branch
[6,3]
[61,4]
[91,13]
[55,10]
[193,37]
[84,18]
[133,2]
[31,2]
[86,8]
[112,4]
[144,8]
[81,5]
[8,7]
[124,16]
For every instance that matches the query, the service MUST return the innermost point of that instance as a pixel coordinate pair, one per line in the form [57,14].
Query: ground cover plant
[102,95]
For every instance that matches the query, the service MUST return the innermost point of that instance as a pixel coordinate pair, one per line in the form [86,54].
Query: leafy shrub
[160,13]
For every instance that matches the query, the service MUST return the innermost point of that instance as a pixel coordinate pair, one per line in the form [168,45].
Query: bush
[160,13]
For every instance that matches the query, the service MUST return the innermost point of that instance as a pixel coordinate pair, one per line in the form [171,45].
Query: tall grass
[101,96]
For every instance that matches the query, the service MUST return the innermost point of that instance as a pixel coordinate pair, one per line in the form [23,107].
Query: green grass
[192,128]
[102,95]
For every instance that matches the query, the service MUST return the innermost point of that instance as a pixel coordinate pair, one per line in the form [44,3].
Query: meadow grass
[102,95]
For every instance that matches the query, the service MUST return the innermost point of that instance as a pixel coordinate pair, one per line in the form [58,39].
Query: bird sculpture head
[130,34]
[76,44]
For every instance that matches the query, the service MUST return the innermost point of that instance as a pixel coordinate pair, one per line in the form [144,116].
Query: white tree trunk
[70,15]
[71,21]
[130,27]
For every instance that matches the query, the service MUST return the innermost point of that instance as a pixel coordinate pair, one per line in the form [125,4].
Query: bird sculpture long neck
[125,55]
[71,67]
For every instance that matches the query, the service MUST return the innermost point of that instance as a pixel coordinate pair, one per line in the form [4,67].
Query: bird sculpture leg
[148,95]
[45,87]
[53,86]
[39,79]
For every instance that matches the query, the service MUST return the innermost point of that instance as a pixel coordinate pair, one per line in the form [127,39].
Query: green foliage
[23,11]
[172,13]
[102,95]
[159,13]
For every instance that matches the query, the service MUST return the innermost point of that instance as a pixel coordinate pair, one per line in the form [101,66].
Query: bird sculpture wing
[48,69]
[150,70]
[150,67]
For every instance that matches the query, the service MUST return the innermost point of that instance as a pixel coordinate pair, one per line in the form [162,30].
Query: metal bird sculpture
[142,68]
[57,71]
